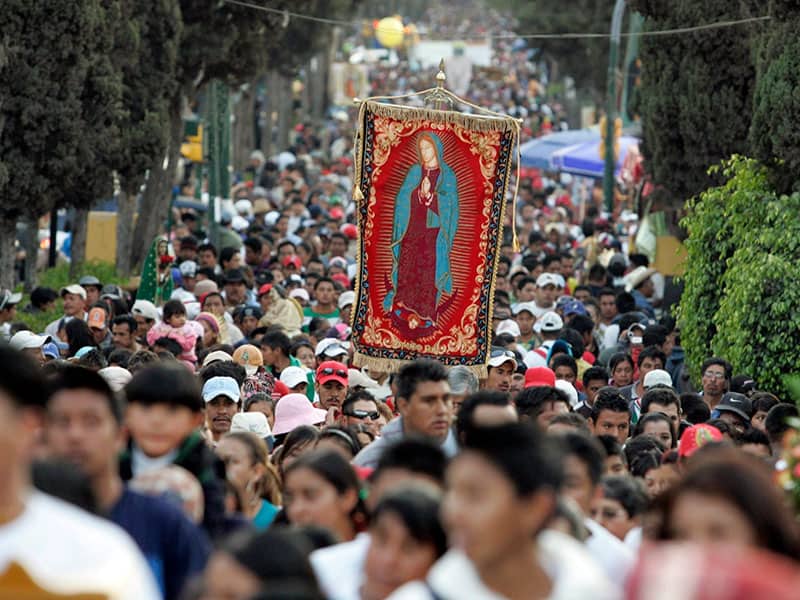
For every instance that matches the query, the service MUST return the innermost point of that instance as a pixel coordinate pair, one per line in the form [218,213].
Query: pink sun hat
[294,410]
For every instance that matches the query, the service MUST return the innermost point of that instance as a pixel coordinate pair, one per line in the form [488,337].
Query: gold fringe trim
[468,121]
[392,365]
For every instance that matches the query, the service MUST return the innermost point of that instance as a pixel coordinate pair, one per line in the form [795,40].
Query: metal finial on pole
[441,77]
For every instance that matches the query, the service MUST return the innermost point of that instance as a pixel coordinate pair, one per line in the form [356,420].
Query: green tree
[758,325]
[713,222]
[146,52]
[774,134]
[585,60]
[696,92]
[222,41]
[51,79]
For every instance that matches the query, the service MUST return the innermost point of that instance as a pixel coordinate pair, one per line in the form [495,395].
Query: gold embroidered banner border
[431,192]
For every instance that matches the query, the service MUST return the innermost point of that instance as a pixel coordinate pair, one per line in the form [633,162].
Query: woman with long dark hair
[321,488]
[727,497]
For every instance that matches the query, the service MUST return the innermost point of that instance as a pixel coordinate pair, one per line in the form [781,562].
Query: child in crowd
[176,327]
[164,413]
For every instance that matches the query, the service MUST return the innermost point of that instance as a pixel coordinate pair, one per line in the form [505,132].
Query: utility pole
[611,108]
[218,128]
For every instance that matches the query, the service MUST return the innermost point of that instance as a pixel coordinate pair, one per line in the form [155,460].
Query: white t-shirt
[573,573]
[65,550]
[609,552]
[340,568]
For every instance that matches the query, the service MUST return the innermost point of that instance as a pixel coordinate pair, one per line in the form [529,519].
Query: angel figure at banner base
[424,226]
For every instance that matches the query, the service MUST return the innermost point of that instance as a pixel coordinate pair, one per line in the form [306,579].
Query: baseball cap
[574,307]
[251,422]
[293,376]
[73,289]
[549,322]
[294,410]
[23,340]
[330,347]
[188,268]
[508,326]
[96,318]
[234,276]
[539,377]
[358,378]
[337,261]
[90,280]
[330,370]
[217,355]
[697,436]
[8,298]
[657,377]
[146,309]
[346,299]
[111,291]
[499,356]
[525,306]
[249,357]
[569,389]
[736,403]
[301,293]
[636,277]
[546,279]
[292,260]
[221,386]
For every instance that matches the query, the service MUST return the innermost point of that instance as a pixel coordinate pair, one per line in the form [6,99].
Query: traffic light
[192,147]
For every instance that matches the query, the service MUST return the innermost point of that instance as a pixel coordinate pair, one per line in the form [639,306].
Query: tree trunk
[126,209]
[284,97]
[79,226]
[156,198]
[8,232]
[243,141]
[270,106]
[31,245]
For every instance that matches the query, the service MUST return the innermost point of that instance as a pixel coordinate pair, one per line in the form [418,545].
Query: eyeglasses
[331,371]
[714,375]
[502,352]
[363,414]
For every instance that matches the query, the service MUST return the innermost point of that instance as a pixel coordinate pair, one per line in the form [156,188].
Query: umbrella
[585,159]
[536,153]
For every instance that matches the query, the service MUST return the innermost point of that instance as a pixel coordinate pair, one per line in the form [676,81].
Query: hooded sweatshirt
[392,433]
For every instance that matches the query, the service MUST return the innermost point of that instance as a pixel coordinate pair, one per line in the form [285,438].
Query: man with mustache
[223,400]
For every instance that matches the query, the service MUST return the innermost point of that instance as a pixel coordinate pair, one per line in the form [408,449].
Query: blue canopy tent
[537,152]
[585,158]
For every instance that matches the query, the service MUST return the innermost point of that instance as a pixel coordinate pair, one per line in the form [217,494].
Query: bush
[58,277]
[714,222]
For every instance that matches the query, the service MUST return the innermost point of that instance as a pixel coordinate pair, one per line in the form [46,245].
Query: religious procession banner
[431,192]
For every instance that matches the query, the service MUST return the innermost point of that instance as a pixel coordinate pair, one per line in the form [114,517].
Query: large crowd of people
[208,435]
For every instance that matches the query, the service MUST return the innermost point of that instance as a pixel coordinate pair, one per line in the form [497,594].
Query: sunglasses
[363,414]
[330,371]
[506,353]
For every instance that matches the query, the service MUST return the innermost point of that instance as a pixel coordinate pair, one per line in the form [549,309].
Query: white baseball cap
[221,386]
[330,347]
[346,299]
[146,309]
[657,377]
[549,322]
[251,422]
[23,340]
[73,289]
[293,376]
[508,326]
[548,279]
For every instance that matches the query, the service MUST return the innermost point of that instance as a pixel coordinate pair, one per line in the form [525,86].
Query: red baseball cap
[331,370]
[341,278]
[697,436]
[292,260]
[540,377]
[337,213]
[350,230]
[264,289]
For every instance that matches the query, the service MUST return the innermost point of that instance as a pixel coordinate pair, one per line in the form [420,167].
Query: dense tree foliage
[585,60]
[696,94]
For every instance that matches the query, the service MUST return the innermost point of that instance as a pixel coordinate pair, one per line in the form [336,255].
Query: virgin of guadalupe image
[425,224]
